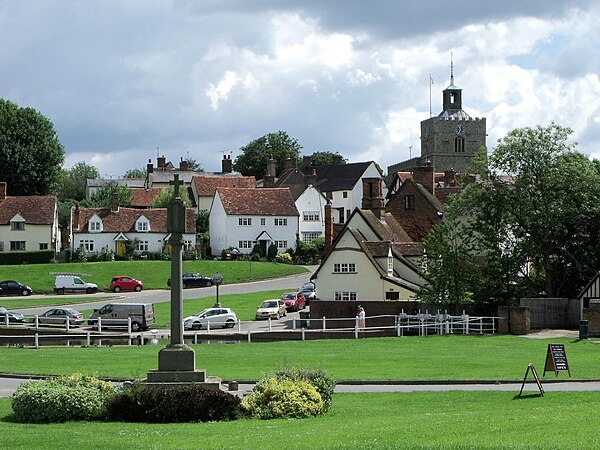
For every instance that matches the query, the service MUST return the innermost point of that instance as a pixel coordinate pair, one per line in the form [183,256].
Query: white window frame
[141,246]
[311,216]
[245,244]
[87,244]
[245,221]
[345,296]
[18,246]
[344,268]
[95,226]
[143,226]
[17,225]
[280,221]
[309,236]
[281,244]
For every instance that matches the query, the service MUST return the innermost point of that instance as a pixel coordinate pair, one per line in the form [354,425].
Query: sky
[126,81]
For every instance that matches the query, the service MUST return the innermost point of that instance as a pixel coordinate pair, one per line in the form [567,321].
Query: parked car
[124,283]
[193,280]
[309,291]
[13,317]
[217,317]
[72,283]
[118,315]
[274,309]
[294,301]
[59,316]
[12,287]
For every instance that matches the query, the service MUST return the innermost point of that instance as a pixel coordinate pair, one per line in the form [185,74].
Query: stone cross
[176,182]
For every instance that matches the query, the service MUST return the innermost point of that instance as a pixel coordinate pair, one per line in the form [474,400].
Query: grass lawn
[436,420]
[454,357]
[153,274]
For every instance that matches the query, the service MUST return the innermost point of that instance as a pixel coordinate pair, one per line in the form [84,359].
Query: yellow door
[121,248]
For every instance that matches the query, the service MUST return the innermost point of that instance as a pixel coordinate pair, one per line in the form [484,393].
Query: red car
[294,301]
[123,283]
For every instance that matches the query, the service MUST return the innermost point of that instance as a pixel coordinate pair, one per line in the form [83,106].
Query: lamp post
[217,279]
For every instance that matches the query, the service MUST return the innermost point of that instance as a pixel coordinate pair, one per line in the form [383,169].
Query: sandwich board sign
[556,359]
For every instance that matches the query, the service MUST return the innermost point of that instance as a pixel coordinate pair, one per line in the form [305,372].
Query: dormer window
[95,224]
[142,225]
[17,226]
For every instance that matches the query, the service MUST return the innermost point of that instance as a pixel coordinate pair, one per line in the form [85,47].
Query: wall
[554,313]
[518,318]
[592,315]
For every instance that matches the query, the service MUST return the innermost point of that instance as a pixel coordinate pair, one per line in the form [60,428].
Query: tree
[325,158]
[135,173]
[194,165]
[31,154]
[102,198]
[254,156]
[537,207]
[166,194]
[73,181]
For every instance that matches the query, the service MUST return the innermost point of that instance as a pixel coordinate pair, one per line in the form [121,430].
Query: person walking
[360,316]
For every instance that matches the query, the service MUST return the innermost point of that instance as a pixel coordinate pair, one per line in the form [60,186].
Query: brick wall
[519,318]
[592,315]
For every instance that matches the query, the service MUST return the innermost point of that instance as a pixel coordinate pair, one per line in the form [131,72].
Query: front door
[121,248]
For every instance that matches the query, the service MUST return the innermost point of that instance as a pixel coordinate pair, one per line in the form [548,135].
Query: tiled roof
[380,249]
[338,177]
[143,198]
[206,185]
[254,202]
[35,209]
[124,219]
[388,229]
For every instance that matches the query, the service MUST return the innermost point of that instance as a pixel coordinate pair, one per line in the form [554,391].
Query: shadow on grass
[9,418]
[527,396]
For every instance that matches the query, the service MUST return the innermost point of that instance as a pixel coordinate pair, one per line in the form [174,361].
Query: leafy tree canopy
[31,154]
[194,165]
[73,181]
[166,194]
[102,198]
[254,156]
[135,173]
[325,158]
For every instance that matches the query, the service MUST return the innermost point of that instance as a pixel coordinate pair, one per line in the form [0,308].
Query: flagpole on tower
[430,84]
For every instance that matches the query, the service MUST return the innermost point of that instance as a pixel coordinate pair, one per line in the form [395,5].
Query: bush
[323,383]
[37,257]
[74,397]
[283,398]
[140,403]
[283,258]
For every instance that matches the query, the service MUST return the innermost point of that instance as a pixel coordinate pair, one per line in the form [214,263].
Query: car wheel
[135,326]
[60,291]
[116,289]
[208,283]
[89,290]
[230,323]
[25,292]
[138,288]
[196,326]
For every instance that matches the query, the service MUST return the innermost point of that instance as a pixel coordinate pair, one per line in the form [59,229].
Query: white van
[72,283]
[118,314]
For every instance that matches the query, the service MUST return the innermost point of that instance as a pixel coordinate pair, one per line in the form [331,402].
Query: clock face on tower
[460,129]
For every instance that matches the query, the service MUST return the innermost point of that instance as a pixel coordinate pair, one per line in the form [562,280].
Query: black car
[193,280]
[13,317]
[12,287]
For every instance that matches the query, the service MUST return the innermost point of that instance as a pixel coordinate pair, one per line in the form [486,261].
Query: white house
[108,229]
[311,205]
[241,218]
[367,261]
[28,222]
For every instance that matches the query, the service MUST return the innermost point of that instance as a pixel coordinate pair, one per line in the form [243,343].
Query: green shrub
[283,258]
[35,257]
[139,403]
[323,383]
[75,397]
[283,398]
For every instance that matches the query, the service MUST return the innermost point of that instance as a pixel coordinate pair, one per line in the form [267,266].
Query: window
[1,246]
[459,145]
[263,221]
[20,226]
[245,221]
[43,246]
[141,246]
[392,295]
[280,222]
[87,245]
[244,244]
[95,226]
[345,194]
[17,246]
[311,216]
[142,226]
[310,236]
[345,296]
[281,244]
[409,202]
[344,268]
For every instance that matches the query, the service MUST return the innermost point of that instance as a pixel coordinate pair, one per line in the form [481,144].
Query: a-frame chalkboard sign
[556,359]
[531,367]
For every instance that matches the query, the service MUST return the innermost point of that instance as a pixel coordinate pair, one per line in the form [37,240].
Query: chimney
[160,162]
[268,181]
[2,190]
[226,165]
[372,198]
[311,180]
[289,164]
[424,176]
[337,159]
[75,217]
[184,165]
[450,178]
[306,162]
[272,167]
[114,200]
[328,226]
[149,167]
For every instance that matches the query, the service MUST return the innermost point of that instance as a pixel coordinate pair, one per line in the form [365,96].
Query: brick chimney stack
[114,200]
[328,226]
[269,178]
[161,162]
[149,167]
[3,190]
[75,217]
[424,176]
[226,164]
[373,196]
[311,180]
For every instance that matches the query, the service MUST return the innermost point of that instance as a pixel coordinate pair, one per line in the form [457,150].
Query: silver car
[59,316]
[217,317]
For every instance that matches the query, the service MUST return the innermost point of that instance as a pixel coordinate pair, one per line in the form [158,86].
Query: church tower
[450,140]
